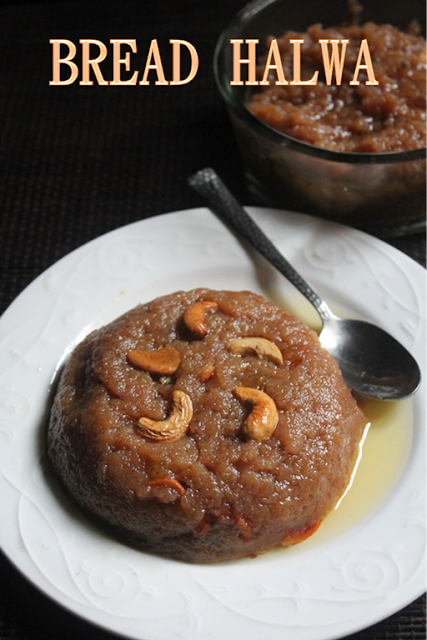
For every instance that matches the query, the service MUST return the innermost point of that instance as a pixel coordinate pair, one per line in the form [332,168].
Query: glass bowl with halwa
[345,141]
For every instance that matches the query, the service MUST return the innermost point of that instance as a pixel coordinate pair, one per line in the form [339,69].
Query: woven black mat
[79,161]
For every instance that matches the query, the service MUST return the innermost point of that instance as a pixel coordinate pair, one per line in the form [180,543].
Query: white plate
[323,588]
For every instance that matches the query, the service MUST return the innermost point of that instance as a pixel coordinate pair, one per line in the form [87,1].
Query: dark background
[78,161]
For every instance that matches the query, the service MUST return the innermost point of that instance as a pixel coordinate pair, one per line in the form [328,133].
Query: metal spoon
[372,362]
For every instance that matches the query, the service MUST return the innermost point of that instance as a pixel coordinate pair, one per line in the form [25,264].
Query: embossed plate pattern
[317,590]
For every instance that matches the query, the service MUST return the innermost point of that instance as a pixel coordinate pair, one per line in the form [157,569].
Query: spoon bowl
[372,362]
[387,371]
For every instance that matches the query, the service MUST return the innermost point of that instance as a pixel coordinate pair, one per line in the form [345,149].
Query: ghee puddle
[384,453]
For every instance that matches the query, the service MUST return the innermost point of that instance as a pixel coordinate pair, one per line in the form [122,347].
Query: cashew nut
[262,420]
[161,361]
[194,317]
[206,373]
[256,346]
[175,425]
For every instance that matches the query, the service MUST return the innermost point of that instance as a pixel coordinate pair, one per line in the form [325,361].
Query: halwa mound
[205,426]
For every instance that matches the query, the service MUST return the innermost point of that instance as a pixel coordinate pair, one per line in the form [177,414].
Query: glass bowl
[384,193]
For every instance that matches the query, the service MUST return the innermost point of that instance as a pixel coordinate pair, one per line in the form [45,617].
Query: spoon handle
[209,185]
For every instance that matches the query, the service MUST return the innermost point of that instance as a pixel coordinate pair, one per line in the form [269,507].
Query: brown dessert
[388,117]
[205,425]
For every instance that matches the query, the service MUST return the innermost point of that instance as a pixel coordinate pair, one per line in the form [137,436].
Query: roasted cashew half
[175,426]
[260,347]
[262,420]
[162,362]
[194,317]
